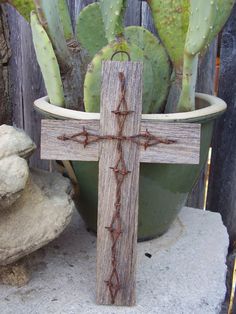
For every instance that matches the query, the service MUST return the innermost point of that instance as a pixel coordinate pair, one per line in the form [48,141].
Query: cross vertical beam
[120,140]
[118,183]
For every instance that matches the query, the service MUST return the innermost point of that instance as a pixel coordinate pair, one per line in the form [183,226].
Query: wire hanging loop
[121,51]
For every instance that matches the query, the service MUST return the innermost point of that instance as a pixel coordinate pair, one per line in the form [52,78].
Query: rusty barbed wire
[145,139]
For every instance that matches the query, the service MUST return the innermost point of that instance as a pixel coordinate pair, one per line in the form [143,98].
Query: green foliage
[48,13]
[47,62]
[112,14]
[65,19]
[171,19]
[154,51]
[186,28]
[222,12]
[206,20]
[92,84]
[90,29]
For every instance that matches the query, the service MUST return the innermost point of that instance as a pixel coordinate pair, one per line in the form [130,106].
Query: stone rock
[16,274]
[14,175]
[14,141]
[40,215]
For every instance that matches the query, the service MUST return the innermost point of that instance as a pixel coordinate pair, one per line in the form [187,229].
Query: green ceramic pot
[163,188]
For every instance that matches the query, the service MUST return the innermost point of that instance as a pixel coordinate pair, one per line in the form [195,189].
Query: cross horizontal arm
[79,140]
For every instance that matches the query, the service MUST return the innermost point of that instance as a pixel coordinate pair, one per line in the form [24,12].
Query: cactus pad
[47,62]
[171,19]
[222,12]
[92,84]
[200,25]
[155,52]
[65,19]
[48,13]
[90,29]
[112,14]
[206,20]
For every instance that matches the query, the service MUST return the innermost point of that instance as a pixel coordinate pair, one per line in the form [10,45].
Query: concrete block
[183,272]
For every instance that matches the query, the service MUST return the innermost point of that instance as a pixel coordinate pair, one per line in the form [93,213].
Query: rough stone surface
[14,175]
[39,216]
[185,274]
[16,274]
[14,141]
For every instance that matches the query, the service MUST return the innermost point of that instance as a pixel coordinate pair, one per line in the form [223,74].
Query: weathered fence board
[5,106]
[222,184]
[26,81]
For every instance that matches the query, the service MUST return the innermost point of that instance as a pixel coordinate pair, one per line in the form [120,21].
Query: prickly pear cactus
[206,19]
[91,30]
[48,13]
[155,52]
[47,62]
[112,15]
[223,10]
[171,18]
[92,84]
[65,19]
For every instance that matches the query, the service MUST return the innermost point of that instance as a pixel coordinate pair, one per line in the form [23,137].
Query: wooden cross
[120,140]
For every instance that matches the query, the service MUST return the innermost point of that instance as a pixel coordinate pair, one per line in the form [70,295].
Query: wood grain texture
[53,148]
[133,13]
[184,151]
[5,53]
[127,243]
[147,20]
[222,181]
[26,83]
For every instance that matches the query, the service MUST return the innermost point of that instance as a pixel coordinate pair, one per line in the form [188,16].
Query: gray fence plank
[133,12]
[5,106]
[26,81]
[147,20]
[222,184]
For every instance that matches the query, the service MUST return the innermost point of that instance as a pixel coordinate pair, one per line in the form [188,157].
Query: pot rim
[215,108]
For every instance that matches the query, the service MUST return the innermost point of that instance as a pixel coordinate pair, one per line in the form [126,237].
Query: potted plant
[71,67]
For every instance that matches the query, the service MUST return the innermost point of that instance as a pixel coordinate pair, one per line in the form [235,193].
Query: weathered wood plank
[185,150]
[147,20]
[222,182]
[26,83]
[133,13]
[53,148]
[5,52]
[126,246]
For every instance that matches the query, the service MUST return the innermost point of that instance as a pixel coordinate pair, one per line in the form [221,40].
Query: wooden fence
[26,85]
